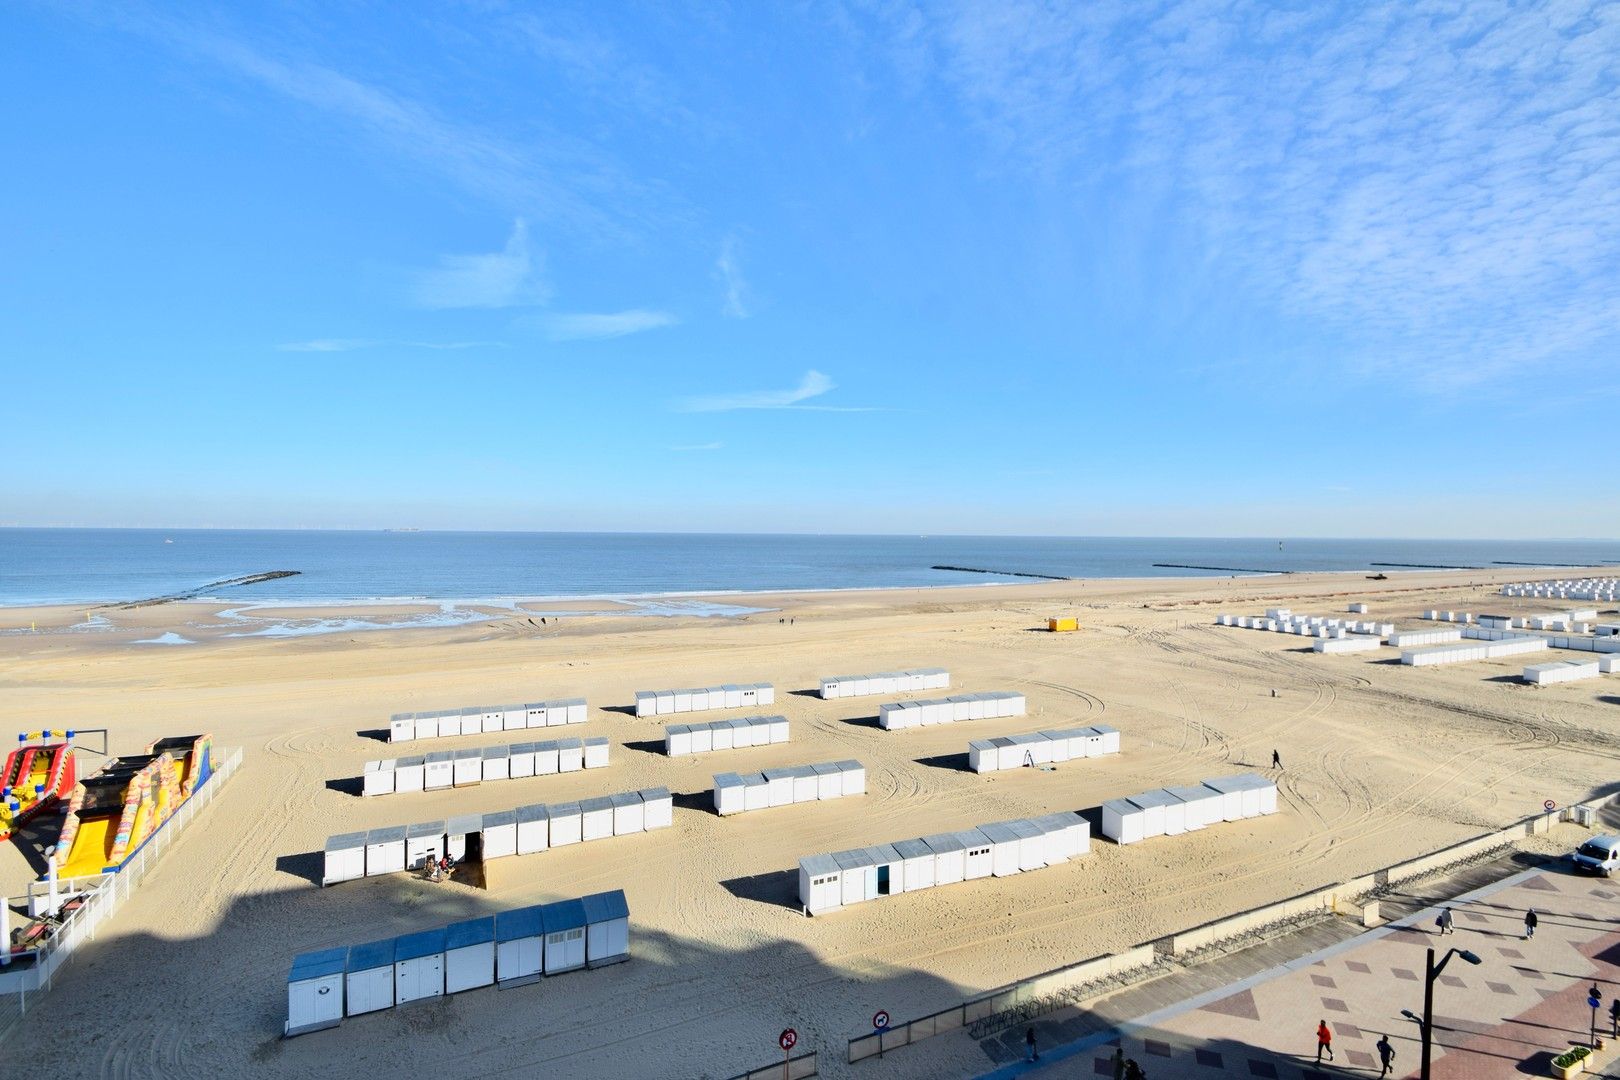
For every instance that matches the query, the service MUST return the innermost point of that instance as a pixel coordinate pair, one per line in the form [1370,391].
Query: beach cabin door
[420,977]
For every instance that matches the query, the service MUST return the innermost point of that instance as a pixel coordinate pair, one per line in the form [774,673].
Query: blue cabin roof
[316,965]
[563,915]
[373,954]
[523,922]
[421,943]
[471,932]
[605,907]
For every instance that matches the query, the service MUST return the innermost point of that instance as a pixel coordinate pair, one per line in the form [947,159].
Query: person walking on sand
[1386,1055]
[1444,921]
[1276,761]
[1324,1041]
[1530,921]
[1029,1044]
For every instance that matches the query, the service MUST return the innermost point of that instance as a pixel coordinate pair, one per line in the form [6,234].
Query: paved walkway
[1505,1017]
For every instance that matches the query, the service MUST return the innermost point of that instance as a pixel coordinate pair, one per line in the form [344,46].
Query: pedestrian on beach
[1530,921]
[1324,1041]
[1029,1044]
[1444,921]
[1386,1054]
[1133,1071]
[1614,1017]
[1276,761]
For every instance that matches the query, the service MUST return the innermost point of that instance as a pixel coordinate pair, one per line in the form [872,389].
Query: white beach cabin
[469,954]
[315,991]
[607,928]
[369,978]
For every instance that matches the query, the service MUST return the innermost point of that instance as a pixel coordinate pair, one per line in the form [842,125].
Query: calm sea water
[48,566]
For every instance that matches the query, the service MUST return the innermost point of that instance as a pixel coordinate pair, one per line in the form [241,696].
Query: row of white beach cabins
[1002,849]
[702,699]
[483,719]
[1042,748]
[898,715]
[501,833]
[508,949]
[1284,621]
[1175,810]
[477,765]
[744,731]
[736,793]
[884,682]
[1606,589]
[1568,622]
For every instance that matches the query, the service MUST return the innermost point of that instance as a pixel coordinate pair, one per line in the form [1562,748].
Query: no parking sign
[787,1040]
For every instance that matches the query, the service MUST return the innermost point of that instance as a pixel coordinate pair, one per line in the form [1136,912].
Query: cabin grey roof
[421,943]
[571,744]
[1121,807]
[852,860]
[600,740]
[605,906]
[563,915]
[440,755]
[470,752]
[1224,784]
[416,761]
[653,794]
[494,752]
[850,765]
[388,834]
[316,965]
[776,774]
[626,798]
[346,841]
[464,824]
[913,849]
[522,748]
[998,832]
[678,729]
[424,828]
[549,746]
[826,768]
[753,779]
[727,780]
[972,838]
[533,812]
[523,922]
[883,853]
[1150,799]
[496,818]
[944,843]
[470,932]
[1026,829]
[817,865]
[591,806]
[1191,794]
[373,954]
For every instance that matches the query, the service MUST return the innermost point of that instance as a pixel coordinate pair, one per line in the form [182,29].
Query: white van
[1599,855]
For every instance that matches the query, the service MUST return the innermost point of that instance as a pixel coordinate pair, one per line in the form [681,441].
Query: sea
[99,566]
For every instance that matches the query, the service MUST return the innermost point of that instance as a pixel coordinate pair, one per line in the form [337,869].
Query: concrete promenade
[1503,1018]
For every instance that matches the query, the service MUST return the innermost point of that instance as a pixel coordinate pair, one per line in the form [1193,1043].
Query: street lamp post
[1426,1022]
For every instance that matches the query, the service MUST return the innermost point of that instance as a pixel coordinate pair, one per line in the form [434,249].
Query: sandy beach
[1382,762]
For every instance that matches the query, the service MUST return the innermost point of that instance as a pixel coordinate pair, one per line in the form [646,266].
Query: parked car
[1599,855]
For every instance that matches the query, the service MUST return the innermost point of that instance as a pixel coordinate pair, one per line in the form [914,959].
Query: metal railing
[96,899]
[798,1067]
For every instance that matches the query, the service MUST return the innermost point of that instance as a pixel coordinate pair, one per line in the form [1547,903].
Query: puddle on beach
[167,638]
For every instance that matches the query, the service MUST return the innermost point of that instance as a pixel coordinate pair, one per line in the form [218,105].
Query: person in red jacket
[1324,1041]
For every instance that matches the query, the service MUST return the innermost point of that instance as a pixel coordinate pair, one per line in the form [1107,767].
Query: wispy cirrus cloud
[734,302]
[584,326]
[541,172]
[510,277]
[336,345]
[1438,187]
[813,385]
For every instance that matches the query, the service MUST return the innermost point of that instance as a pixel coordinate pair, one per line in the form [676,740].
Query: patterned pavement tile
[1209,1058]
[1348,1031]
[1360,1059]
[1156,1048]
[1402,973]
[1335,1005]
[1499,988]
[1263,1069]
[1358,967]
[1324,980]
[1511,954]
[1452,980]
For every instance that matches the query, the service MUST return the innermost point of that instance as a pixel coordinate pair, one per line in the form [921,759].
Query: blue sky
[1173,268]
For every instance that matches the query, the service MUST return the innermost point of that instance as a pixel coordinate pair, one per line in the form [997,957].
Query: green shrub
[1571,1056]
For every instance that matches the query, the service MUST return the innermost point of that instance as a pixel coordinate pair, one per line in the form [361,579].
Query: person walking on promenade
[1386,1055]
[1530,921]
[1444,921]
[1119,1062]
[1324,1041]
[1276,761]
[1029,1043]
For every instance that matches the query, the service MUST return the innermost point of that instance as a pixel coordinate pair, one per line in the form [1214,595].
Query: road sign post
[787,1041]
[880,1024]
[1594,1000]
